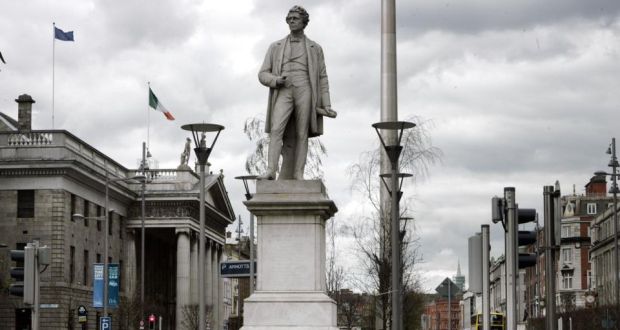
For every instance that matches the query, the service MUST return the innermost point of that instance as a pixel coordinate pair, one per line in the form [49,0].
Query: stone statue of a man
[294,71]
[185,154]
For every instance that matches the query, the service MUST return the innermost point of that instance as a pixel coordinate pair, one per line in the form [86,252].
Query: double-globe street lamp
[393,148]
[199,133]
[106,220]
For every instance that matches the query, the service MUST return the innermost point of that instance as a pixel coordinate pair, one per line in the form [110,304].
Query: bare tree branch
[256,162]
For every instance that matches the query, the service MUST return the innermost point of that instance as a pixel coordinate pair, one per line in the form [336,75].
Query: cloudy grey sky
[521,93]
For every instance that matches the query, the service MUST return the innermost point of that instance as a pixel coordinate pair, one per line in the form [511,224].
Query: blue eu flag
[61,35]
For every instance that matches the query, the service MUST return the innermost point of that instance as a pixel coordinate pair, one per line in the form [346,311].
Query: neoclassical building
[46,176]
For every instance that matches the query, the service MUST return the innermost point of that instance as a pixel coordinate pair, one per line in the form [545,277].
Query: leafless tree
[335,274]
[256,163]
[190,317]
[129,312]
[372,231]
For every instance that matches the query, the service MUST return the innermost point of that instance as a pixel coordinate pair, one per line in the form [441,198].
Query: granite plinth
[290,291]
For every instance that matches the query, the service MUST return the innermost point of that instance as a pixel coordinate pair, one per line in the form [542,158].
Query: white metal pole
[53,67]
[486,298]
[389,112]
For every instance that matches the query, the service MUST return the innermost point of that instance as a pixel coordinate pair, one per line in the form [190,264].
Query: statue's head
[305,17]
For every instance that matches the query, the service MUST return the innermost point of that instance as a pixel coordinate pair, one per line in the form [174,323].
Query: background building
[48,175]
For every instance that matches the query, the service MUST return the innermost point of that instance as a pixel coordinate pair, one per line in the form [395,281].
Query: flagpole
[148,121]
[53,67]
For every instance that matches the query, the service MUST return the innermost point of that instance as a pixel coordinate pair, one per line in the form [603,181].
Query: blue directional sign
[105,323]
[237,268]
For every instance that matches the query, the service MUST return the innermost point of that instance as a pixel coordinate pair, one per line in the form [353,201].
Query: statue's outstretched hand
[327,112]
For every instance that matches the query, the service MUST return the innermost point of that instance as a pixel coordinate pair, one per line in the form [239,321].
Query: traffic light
[152,319]
[17,273]
[525,237]
[23,273]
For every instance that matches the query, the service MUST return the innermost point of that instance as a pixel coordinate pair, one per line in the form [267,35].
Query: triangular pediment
[218,196]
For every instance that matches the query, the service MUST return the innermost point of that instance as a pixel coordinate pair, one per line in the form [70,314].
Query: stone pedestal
[290,289]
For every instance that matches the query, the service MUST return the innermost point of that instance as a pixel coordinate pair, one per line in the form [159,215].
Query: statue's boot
[269,175]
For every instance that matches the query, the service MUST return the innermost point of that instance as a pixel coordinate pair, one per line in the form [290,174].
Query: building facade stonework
[46,176]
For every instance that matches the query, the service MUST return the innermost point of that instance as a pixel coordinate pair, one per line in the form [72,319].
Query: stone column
[183,270]
[193,275]
[209,276]
[290,293]
[131,266]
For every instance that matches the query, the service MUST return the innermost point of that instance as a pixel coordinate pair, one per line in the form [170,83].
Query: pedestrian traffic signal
[152,319]
[23,274]
[526,238]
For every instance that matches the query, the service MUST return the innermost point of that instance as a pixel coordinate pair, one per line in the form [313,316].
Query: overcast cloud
[521,93]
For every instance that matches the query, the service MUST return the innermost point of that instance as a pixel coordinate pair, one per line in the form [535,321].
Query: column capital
[182,231]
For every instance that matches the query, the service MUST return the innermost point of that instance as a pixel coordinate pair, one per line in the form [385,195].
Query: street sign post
[447,288]
[82,314]
[237,268]
[105,323]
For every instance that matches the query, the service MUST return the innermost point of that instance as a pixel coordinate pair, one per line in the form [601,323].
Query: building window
[591,208]
[73,207]
[86,212]
[99,213]
[120,226]
[25,203]
[567,280]
[98,258]
[120,271]
[110,222]
[86,267]
[567,255]
[566,231]
[71,264]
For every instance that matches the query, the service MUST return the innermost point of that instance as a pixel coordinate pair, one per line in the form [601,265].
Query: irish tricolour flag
[155,104]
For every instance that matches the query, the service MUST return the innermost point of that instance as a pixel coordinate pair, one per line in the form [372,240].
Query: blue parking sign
[105,323]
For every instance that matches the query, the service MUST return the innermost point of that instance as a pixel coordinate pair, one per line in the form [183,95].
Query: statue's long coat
[272,68]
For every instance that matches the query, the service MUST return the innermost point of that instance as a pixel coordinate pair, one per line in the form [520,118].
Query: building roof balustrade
[56,145]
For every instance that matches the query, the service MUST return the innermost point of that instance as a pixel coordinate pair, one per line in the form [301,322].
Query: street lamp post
[144,167]
[106,221]
[248,196]
[613,163]
[393,151]
[202,154]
